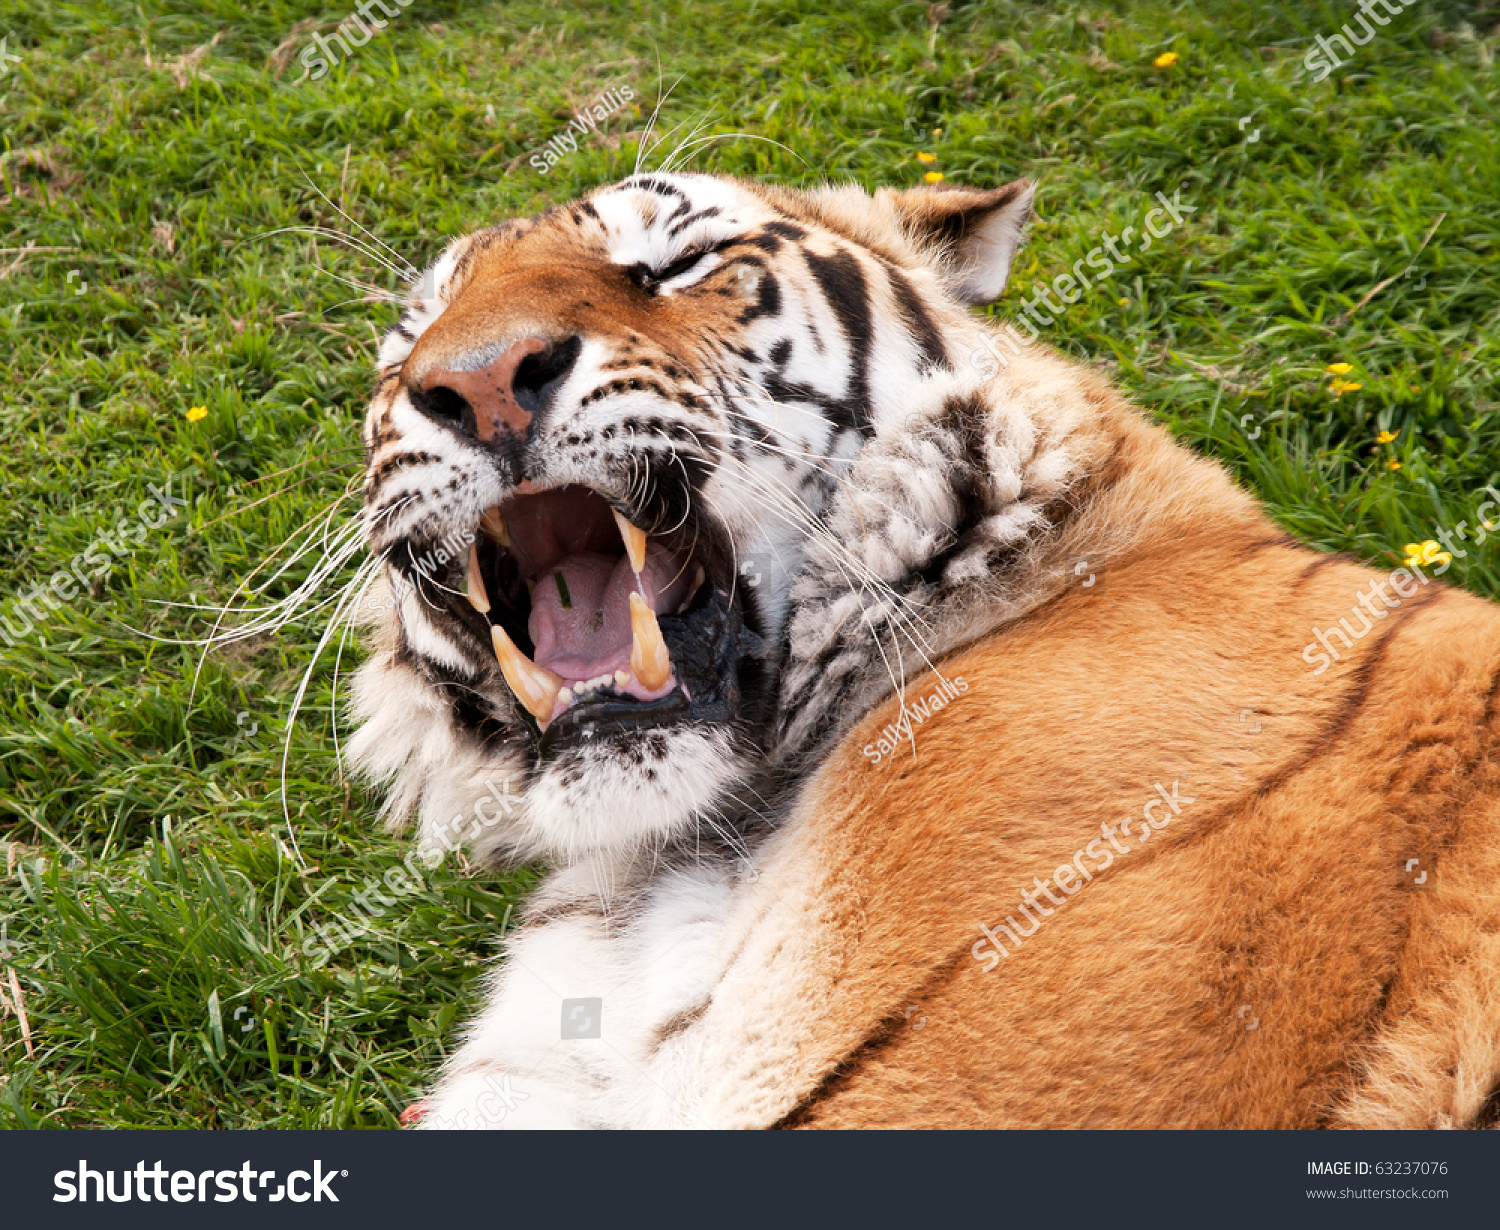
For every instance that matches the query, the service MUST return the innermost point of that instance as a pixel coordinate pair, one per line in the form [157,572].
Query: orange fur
[1261,959]
[1280,887]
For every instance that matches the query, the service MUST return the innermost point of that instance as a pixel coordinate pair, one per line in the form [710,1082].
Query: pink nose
[490,391]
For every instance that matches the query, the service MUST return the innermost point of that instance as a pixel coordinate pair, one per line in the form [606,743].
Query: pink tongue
[589,634]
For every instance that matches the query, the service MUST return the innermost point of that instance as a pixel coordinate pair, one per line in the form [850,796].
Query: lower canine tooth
[535,686]
[493,525]
[648,652]
[635,542]
[479,597]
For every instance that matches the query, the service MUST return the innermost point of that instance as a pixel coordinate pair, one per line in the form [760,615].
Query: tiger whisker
[306,478]
[338,754]
[725,136]
[374,293]
[349,241]
[817,527]
[412,269]
[353,448]
[302,687]
[641,149]
[665,165]
[862,581]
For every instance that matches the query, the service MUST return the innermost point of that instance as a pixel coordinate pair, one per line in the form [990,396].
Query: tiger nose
[502,396]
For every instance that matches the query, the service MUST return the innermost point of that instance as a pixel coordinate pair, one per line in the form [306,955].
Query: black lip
[708,644]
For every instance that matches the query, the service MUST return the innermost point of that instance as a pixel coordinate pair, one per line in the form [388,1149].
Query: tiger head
[605,444]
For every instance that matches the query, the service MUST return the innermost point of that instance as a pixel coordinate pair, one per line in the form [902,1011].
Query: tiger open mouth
[598,625]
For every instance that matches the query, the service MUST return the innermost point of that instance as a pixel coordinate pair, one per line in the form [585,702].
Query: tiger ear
[980,229]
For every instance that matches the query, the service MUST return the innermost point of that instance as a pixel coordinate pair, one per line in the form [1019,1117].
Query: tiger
[913,732]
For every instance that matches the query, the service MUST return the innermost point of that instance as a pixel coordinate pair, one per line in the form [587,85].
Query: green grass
[149,892]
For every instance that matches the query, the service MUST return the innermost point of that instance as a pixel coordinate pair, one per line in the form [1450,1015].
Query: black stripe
[659,186]
[1245,550]
[684,206]
[781,389]
[1334,726]
[712,211]
[400,462]
[836,1080]
[1490,698]
[1318,565]
[768,244]
[919,323]
[1489,1114]
[842,282]
[965,417]
[787,230]
[464,261]
[767,297]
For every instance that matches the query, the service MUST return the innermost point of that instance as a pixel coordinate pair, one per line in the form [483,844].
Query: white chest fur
[588,1019]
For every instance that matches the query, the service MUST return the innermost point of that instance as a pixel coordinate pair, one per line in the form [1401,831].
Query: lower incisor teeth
[535,686]
[649,658]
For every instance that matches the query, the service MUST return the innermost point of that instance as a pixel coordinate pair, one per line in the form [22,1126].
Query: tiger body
[920,829]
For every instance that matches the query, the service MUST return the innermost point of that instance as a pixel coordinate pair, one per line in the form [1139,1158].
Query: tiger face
[602,443]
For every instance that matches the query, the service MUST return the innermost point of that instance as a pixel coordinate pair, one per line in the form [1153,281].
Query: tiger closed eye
[680,266]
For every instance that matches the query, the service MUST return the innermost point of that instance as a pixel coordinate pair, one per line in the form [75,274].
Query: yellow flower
[196,413]
[1339,369]
[1385,437]
[937,132]
[1416,388]
[1392,465]
[933,177]
[1166,59]
[1429,552]
[1339,387]
[1122,301]
[926,157]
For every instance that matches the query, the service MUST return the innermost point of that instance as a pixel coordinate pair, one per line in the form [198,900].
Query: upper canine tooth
[493,525]
[535,686]
[479,597]
[635,542]
[649,658]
